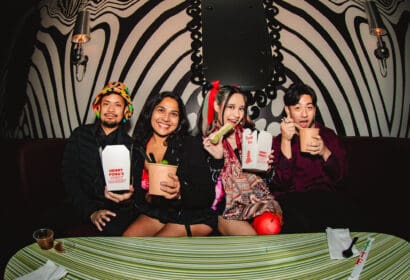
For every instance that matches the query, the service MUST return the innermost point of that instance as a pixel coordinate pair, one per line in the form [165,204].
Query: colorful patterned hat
[118,88]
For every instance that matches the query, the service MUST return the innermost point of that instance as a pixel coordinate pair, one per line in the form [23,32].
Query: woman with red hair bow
[241,196]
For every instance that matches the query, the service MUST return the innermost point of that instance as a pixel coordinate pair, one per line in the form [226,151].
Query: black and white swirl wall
[154,45]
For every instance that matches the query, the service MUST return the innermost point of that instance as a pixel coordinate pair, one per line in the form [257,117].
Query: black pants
[118,224]
[314,211]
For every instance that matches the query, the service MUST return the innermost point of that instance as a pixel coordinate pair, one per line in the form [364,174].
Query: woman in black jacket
[185,207]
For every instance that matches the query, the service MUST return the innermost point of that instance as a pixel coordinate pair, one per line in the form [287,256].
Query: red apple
[267,223]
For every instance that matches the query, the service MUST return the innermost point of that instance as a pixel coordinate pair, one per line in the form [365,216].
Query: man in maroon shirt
[304,182]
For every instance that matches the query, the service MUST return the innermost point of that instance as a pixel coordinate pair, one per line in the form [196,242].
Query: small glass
[44,238]
[63,246]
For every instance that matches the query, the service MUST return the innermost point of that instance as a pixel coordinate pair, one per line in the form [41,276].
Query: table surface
[283,256]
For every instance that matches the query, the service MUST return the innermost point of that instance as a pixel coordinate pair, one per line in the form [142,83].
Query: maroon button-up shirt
[305,172]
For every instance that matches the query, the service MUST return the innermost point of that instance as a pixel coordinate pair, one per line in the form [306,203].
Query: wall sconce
[377,29]
[81,35]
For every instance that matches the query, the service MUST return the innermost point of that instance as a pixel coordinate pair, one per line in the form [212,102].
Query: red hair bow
[212,94]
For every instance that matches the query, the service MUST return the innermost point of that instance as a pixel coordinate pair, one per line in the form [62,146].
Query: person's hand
[172,189]
[116,197]
[315,146]
[101,217]
[215,150]
[318,147]
[287,128]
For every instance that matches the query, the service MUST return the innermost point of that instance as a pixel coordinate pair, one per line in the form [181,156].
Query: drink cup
[159,173]
[306,137]
[44,238]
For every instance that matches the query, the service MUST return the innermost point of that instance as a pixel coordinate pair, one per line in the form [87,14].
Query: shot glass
[63,246]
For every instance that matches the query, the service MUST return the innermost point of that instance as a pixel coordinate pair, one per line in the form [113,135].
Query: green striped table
[283,256]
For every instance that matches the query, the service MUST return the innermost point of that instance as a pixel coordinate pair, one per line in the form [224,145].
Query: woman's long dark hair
[144,131]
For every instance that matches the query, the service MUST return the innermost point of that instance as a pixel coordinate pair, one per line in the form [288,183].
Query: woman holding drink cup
[183,206]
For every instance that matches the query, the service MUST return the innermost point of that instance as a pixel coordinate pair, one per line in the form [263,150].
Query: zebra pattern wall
[148,46]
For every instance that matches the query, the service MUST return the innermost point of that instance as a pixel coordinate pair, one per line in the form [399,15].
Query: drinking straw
[142,151]
[151,155]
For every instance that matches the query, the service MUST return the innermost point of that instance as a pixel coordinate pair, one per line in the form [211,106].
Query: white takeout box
[256,147]
[116,163]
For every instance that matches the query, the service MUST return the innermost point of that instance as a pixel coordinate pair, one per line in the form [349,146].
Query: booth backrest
[377,181]
[40,173]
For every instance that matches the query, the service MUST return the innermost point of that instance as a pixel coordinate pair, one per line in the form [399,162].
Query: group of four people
[210,192]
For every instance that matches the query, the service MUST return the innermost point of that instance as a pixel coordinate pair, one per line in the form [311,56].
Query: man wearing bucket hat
[82,171]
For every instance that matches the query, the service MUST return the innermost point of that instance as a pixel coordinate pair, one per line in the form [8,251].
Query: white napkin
[49,271]
[338,240]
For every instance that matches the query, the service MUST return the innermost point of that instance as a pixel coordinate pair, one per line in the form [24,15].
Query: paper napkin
[338,240]
[49,271]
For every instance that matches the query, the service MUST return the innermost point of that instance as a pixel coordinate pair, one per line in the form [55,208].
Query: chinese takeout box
[116,163]
[256,147]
